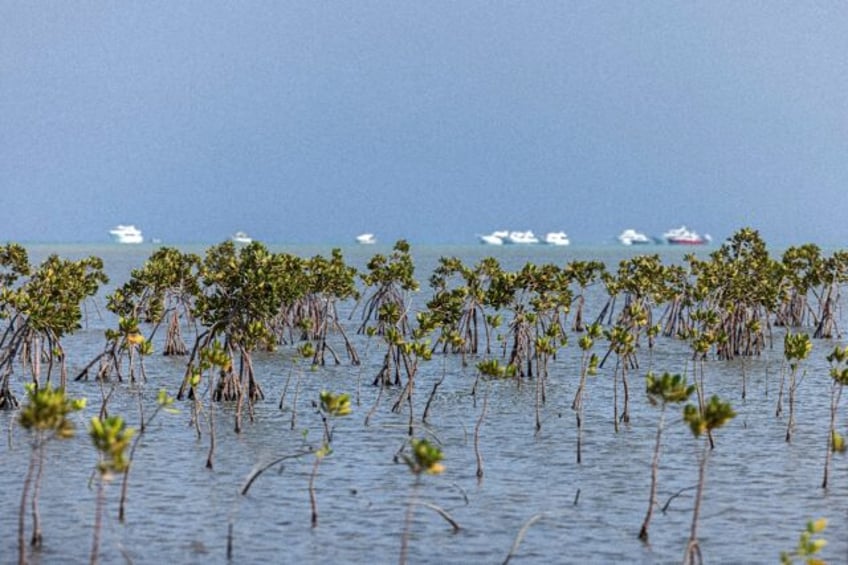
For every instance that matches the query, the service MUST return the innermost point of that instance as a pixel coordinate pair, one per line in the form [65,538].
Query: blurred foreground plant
[714,415]
[808,546]
[45,415]
[426,458]
[111,438]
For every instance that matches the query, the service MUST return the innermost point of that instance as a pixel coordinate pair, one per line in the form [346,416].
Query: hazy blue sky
[310,122]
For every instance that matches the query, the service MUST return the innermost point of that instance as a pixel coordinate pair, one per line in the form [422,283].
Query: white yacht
[685,236]
[494,238]
[633,237]
[241,237]
[126,234]
[557,238]
[521,237]
[366,239]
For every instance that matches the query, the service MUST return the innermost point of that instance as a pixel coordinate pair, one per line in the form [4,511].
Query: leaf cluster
[111,438]
[426,458]
[47,410]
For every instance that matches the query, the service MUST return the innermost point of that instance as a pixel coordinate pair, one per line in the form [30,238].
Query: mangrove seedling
[426,458]
[45,415]
[715,414]
[808,545]
[796,348]
[330,406]
[838,360]
[588,367]
[622,342]
[662,391]
[111,438]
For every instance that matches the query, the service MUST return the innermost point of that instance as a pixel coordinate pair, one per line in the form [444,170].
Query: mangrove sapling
[331,406]
[804,268]
[461,306]
[673,322]
[45,415]
[715,414]
[645,282]
[539,299]
[744,286]
[834,274]
[412,352]
[584,274]
[808,546]
[163,290]
[701,340]
[43,310]
[329,281]
[544,349]
[304,351]
[163,402]
[392,279]
[588,367]
[243,294]
[111,438]
[796,348]
[14,264]
[495,370]
[212,358]
[661,391]
[426,458]
[838,360]
[622,342]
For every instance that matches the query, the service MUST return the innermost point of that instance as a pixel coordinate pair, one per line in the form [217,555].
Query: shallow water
[760,491]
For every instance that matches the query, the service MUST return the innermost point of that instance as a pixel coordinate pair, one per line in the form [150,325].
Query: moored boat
[521,238]
[557,238]
[126,234]
[241,237]
[494,238]
[685,236]
[633,237]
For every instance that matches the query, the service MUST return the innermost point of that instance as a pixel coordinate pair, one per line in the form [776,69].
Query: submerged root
[227,388]
[8,401]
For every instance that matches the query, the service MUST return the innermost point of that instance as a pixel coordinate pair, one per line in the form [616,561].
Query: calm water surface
[760,491]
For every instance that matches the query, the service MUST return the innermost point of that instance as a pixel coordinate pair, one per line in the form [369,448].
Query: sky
[312,122]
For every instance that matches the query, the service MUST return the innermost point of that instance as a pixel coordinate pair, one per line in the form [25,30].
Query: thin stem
[407,524]
[22,514]
[36,519]
[312,499]
[655,464]
[477,436]
[98,519]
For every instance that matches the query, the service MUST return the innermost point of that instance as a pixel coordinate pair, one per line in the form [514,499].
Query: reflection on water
[759,494]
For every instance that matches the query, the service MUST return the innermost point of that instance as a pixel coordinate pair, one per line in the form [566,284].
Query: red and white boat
[685,236]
